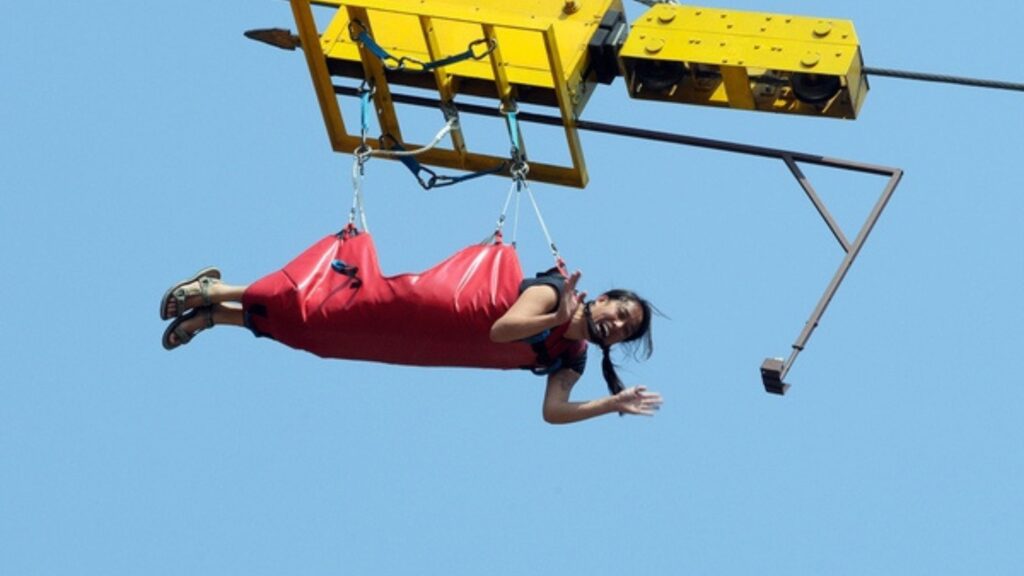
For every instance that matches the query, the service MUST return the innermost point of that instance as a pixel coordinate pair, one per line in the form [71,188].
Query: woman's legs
[200,304]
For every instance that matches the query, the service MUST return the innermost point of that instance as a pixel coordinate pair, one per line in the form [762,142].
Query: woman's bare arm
[558,409]
[537,309]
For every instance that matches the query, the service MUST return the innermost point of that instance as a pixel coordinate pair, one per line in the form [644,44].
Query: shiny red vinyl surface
[439,317]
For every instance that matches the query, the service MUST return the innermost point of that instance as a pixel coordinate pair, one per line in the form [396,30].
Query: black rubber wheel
[659,75]
[815,88]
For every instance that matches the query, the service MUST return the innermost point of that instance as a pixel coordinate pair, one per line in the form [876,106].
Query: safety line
[448,127]
[945,79]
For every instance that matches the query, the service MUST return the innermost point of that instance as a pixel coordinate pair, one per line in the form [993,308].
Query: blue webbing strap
[435,180]
[545,365]
[400,63]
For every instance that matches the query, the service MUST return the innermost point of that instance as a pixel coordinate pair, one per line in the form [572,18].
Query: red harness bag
[333,301]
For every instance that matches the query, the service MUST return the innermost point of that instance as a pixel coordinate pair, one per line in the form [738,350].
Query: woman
[542,324]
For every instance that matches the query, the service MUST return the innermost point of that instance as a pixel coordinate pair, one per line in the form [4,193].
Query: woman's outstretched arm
[558,409]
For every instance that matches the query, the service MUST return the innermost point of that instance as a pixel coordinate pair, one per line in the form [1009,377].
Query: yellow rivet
[822,29]
[654,45]
[810,59]
[666,17]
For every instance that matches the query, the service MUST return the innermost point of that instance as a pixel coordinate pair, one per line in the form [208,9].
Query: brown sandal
[206,278]
[177,328]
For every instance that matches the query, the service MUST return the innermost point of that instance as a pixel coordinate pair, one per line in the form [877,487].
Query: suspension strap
[559,262]
[499,226]
[361,157]
[477,50]
[519,170]
[357,192]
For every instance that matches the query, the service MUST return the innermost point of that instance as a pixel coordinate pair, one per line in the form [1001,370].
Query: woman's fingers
[571,281]
[640,401]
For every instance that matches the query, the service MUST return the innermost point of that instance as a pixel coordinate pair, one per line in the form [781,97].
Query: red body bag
[333,301]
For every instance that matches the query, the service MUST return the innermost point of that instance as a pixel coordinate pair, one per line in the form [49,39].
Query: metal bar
[473,162]
[844,267]
[668,137]
[373,71]
[443,80]
[437,10]
[501,84]
[572,136]
[502,87]
[818,204]
[317,62]
[737,87]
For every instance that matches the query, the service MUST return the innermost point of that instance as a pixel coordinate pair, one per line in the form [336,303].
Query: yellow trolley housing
[748,60]
[555,53]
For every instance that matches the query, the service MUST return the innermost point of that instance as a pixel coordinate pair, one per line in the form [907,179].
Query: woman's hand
[637,400]
[571,301]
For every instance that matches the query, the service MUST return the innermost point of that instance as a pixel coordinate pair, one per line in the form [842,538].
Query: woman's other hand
[637,400]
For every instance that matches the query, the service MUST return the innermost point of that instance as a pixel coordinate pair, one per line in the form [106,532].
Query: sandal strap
[204,289]
[184,336]
[208,314]
[185,292]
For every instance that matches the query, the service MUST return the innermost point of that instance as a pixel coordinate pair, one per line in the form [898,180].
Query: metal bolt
[810,59]
[654,45]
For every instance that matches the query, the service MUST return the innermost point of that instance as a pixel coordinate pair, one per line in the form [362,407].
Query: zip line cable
[945,79]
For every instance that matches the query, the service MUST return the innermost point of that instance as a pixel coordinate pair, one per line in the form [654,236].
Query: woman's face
[616,320]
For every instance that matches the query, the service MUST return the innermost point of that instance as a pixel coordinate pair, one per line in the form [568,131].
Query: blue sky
[142,141]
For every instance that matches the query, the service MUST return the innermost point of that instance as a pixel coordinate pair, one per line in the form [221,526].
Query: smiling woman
[472,310]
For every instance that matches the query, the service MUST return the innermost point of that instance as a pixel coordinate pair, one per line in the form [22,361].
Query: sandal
[177,328]
[206,278]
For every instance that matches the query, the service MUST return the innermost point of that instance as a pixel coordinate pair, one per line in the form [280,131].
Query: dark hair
[640,344]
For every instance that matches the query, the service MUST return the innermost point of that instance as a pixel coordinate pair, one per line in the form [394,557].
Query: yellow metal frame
[428,15]
[740,44]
